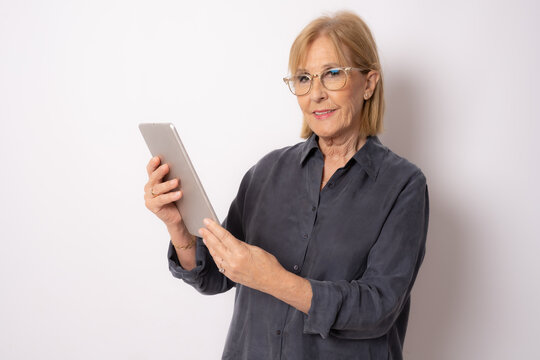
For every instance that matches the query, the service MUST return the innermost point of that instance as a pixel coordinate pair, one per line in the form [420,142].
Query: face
[332,114]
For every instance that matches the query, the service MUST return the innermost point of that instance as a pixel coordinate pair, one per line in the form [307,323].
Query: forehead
[320,54]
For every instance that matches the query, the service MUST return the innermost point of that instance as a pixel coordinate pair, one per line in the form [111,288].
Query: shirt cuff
[325,305]
[189,276]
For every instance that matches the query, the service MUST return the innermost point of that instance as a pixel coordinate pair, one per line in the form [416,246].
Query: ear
[372,78]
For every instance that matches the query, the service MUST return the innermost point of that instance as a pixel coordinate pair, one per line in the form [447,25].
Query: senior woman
[324,239]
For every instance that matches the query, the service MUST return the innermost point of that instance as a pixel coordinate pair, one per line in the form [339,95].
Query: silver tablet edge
[192,169]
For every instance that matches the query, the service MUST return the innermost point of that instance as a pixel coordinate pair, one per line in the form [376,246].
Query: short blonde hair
[347,31]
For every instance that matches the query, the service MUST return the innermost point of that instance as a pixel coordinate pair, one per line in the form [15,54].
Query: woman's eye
[333,72]
[302,78]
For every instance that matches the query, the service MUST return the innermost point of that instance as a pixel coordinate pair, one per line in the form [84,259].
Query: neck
[341,149]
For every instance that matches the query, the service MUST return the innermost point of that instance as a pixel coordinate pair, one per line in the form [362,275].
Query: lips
[323,113]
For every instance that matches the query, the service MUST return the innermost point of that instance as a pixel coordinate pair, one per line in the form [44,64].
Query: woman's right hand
[158,196]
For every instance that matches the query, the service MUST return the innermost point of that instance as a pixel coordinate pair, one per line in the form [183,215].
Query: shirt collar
[369,156]
[310,144]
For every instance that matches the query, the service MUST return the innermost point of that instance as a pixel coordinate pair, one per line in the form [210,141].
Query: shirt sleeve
[205,276]
[368,307]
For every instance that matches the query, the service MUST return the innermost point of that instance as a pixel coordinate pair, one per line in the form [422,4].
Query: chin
[324,131]
[327,128]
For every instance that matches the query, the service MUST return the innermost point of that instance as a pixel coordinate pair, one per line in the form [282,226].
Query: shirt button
[278,332]
[305,236]
[314,208]
[295,267]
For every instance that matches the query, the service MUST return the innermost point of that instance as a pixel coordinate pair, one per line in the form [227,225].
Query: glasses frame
[288,80]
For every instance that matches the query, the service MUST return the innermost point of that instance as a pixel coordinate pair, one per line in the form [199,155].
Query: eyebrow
[325,67]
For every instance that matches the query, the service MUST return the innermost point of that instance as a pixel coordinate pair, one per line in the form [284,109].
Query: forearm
[180,237]
[293,290]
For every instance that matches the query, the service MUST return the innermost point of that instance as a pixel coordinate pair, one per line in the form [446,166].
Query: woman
[325,238]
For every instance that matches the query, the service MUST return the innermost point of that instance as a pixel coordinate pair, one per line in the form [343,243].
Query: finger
[152,165]
[155,204]
[164,187]
[219,232]
[213,243]
[158,174]
[219,261]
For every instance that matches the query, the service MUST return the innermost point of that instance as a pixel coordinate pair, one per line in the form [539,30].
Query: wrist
[186,245]
[176,228]
[278,281]
[179,231]
[180,237]
[293,290]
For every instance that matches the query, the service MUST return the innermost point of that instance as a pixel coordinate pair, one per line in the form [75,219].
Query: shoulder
[394,168]
[271,165]
[397,165]
[399,178]
[278,158]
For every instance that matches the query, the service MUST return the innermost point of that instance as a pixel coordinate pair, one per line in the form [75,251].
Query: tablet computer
[162,139]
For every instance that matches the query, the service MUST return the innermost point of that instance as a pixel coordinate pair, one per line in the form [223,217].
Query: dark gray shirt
[359,241]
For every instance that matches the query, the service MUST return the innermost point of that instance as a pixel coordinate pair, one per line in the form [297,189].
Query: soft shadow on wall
[435,296]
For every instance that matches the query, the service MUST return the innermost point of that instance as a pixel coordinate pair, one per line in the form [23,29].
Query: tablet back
[163,141]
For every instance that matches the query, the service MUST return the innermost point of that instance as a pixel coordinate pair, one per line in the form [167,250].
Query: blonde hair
[347,31]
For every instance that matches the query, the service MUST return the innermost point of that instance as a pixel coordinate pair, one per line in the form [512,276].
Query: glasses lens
[334,79]
[300,84]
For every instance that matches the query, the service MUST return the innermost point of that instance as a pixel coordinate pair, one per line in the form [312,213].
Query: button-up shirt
[359,241]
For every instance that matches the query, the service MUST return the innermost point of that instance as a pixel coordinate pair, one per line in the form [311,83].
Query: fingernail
[206,221]
[201,232]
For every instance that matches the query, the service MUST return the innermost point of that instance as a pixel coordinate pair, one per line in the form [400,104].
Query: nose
[318,91]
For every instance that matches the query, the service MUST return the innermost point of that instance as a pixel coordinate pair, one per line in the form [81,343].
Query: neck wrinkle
[343,151]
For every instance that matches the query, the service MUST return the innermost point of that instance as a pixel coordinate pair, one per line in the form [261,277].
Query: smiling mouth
[318,113]
[323,114]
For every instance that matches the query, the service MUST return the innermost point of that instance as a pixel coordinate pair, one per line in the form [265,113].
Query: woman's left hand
[243,263]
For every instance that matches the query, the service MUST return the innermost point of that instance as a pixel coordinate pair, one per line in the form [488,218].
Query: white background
[83,271]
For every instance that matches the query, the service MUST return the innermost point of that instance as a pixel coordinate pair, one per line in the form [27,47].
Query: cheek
[358,109]
[352,109]
[347,109]
[303,103]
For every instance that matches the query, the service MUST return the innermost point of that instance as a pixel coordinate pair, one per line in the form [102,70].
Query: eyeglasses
[331,79]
